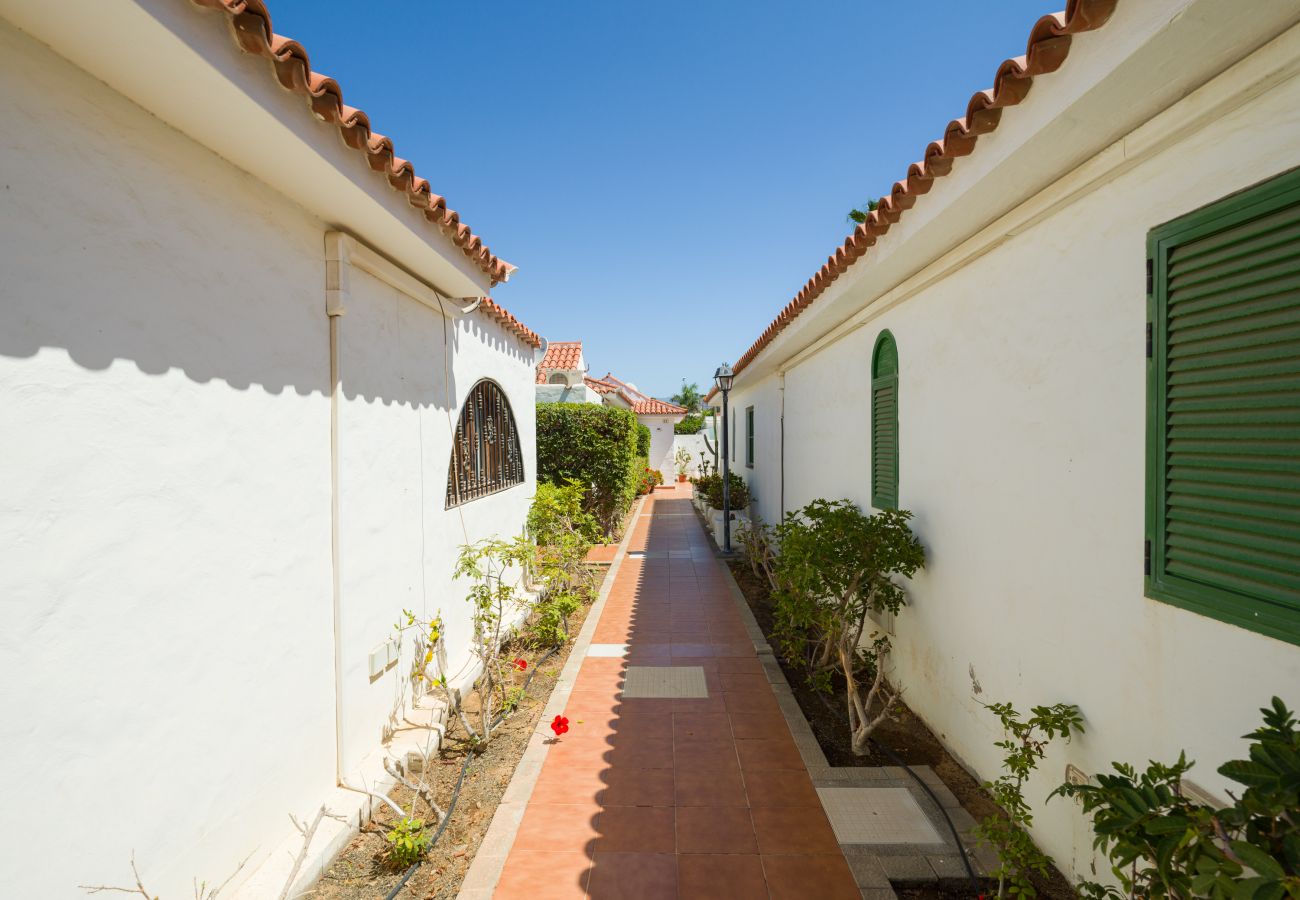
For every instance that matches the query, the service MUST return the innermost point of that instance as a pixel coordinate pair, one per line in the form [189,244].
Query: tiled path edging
[481,879]
[874,865]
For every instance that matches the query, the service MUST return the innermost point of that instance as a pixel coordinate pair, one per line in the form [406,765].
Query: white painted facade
[1015,293]
[173,675]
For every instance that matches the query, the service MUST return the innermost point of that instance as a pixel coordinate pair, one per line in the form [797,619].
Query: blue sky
[666,176]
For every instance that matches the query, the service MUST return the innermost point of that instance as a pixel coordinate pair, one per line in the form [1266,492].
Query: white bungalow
[241,343]
[1069,342]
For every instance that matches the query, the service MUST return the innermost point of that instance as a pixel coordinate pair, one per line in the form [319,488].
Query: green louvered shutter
[884,423]
[1223,481]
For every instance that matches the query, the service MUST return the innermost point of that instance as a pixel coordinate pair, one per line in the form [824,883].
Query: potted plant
[683,459]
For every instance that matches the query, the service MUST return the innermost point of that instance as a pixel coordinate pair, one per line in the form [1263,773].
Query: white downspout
[781,455]
[336,297]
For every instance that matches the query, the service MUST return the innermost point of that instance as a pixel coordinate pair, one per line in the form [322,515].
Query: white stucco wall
[560,393]
[1022,417]
[167,661]
[661,443]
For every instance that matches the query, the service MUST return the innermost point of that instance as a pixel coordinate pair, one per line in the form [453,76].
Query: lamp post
[723,378]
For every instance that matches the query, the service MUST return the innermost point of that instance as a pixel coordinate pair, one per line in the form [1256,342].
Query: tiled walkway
[656,797]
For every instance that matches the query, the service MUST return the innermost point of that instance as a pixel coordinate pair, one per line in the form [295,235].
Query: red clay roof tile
[498,313]
[559,355]
[250,22]
[1049,43]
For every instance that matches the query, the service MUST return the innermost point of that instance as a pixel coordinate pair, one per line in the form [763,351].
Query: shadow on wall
[255,339]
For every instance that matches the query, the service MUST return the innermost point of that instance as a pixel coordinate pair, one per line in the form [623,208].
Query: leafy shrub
[558,511]
[1024,744]
[829,566]
[407,842]
[692,424]
[596,446]
[643,440]
[710,486]
[1164,845]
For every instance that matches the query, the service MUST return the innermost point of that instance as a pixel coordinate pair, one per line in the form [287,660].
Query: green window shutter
[749,436]
[1223,416]
[884,423]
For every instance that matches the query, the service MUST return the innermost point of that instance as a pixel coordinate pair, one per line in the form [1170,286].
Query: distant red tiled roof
[250,23]
[642,404]
[1049,44]
[498,313]
[559,355]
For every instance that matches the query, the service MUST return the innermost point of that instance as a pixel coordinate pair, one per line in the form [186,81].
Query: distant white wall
[166,660]
[661,443]
[1022,433]
[559,393]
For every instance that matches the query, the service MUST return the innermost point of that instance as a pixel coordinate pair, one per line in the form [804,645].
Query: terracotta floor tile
[702,726]
[709,788]
[700,705]
[741,665]
[559,783]
[636,829]
[764,726]
[537,875]
[705,756]
[558,827]
[637,787]
[794,830]
[751,703]
[804,877]
[779,787]
[714,829]
[736,682]
[760,755]
[633,876]
[692,649]
[706,876]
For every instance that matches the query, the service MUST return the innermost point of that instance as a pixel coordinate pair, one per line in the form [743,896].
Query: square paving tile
[705,876]
[658,682]
[607,650]
[864,815]
[714,829]
[632,876]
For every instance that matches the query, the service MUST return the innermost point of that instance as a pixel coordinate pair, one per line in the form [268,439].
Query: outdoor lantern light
[723,377]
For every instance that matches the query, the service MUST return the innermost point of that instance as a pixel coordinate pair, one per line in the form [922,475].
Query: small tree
[689,396]
[829,567]
[1024,743]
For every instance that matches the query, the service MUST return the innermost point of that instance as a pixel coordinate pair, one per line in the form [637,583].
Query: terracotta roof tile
[498,313]
[642,404]
[250,23]
[1049,43]
[559,355]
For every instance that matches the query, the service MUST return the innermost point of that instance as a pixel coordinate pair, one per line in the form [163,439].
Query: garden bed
[360,871]
[907,737]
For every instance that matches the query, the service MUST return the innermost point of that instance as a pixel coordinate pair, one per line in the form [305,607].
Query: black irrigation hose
[970,871]
[455,794]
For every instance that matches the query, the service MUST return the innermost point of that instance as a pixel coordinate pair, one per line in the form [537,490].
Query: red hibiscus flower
[559,725]
[521,664]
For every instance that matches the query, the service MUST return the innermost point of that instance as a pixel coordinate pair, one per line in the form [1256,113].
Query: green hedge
[643,441]
[597,446]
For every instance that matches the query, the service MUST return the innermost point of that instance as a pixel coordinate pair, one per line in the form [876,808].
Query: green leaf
[1257,859]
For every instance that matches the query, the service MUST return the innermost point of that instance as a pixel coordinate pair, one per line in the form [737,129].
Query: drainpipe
[781,455]
[336,297]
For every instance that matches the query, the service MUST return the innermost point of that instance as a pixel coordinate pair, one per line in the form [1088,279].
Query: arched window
[558,378]
[884,423]
[485,456]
